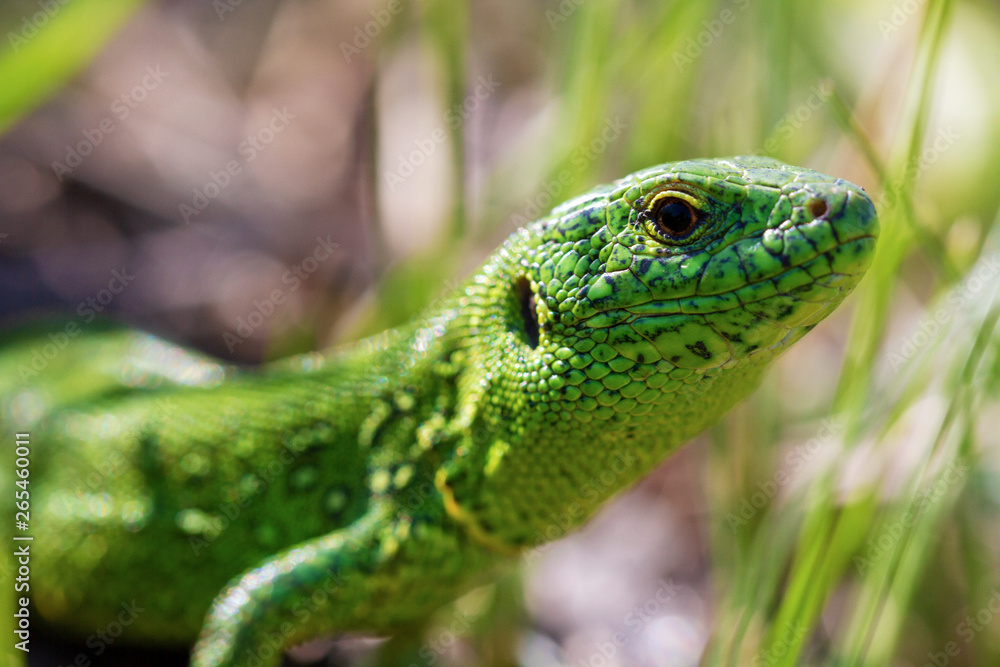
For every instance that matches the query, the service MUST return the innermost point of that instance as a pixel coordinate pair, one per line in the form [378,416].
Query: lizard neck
[543,433]
[534,472]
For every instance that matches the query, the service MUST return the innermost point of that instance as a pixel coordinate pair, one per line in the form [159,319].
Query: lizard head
[638,313]
[697,264]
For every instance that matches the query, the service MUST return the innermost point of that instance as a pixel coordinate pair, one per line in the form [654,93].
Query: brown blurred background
[261,178]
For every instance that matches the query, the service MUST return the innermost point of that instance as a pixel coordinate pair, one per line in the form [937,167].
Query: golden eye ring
[673,217]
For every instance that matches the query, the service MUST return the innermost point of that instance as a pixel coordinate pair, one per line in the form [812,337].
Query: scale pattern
[361,488]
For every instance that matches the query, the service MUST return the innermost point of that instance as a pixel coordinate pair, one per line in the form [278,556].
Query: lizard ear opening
[529,314]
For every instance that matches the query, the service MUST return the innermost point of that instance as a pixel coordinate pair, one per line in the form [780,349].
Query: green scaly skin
[360,489]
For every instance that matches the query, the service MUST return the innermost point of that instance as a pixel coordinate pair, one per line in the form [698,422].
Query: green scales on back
[362,488]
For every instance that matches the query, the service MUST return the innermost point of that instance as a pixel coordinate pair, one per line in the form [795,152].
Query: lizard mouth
[709,336]
[793,281]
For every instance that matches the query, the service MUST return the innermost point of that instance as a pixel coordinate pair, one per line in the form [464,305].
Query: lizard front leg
[380,573]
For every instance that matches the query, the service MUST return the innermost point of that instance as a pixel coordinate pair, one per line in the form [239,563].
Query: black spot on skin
[700,350]
[592,217]
[784,311]
[732,338]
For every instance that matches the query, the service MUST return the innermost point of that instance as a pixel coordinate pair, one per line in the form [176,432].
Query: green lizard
[360,489]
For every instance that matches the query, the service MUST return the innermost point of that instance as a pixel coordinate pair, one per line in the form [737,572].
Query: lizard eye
[674,218]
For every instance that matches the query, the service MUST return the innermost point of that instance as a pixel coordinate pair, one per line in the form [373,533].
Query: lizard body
[362,488]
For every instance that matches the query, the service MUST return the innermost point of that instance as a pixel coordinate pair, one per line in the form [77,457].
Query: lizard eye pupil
[675,217]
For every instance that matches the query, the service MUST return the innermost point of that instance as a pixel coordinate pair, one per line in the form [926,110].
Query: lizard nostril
[817,207]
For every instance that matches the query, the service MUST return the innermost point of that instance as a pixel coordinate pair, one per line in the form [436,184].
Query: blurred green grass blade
[752,551]
[833,533]
[33,67]
[914,373]
[591,48]
[753,588]
[931,38]
[933,28]
[916,552]
[445,25]
[828,539]
[665,82]
[877,622]
[928,57]
[592,66]
[852,128]
[929,243]
[876,291]
[405,288]
[775,22]
[609,53]
[881,610]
